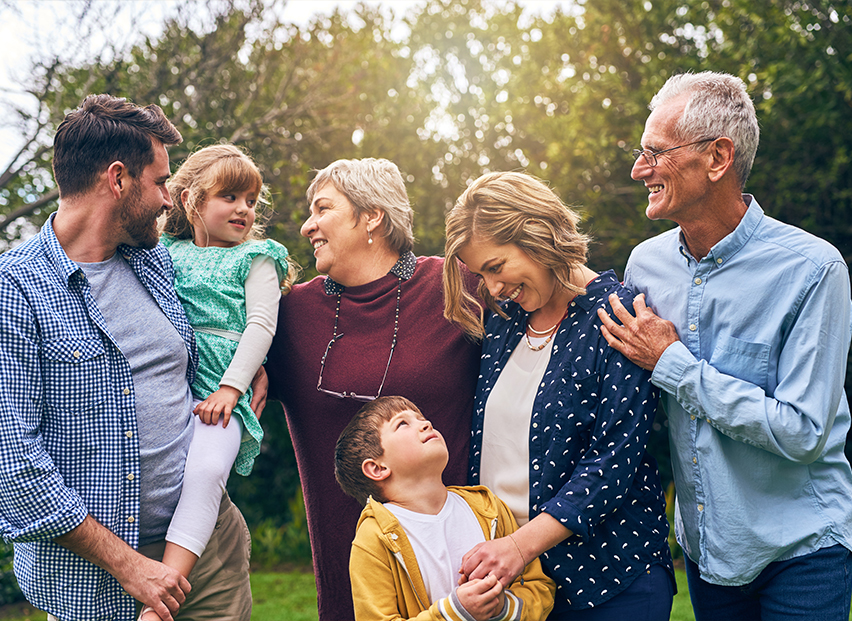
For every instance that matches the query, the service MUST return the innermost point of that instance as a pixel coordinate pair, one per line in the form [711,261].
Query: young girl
[227,277]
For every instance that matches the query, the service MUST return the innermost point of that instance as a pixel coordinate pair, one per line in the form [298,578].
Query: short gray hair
[718,106]
[372,184]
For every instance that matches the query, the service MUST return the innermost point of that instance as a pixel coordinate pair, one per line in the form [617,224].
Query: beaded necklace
[335,336]
[551,330]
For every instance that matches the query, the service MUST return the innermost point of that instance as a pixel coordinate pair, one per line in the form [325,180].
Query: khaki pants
[220,579]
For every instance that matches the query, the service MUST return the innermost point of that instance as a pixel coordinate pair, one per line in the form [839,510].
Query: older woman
[579,481]
[373,326]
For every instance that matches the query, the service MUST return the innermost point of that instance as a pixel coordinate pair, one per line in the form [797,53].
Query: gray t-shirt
[157,357]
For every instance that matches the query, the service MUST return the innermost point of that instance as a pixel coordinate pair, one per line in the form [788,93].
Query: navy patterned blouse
[588,467]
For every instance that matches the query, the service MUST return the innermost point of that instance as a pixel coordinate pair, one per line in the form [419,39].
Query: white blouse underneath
[505,465]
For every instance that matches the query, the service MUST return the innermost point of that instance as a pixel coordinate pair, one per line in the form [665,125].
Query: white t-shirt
[505,463]
[440,541]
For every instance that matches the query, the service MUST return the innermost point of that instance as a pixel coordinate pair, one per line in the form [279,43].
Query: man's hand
[221,402]
[146,580]
[642,338]
[498,558]
[483,599]
[259,390]
[156,585]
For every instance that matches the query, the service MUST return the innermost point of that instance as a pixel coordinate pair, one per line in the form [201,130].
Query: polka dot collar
[403,269]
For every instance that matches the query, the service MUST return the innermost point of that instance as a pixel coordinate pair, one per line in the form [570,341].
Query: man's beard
[139,221]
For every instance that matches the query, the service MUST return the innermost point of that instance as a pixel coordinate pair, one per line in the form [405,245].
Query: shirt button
[535,425]
[694,461]
[77,354]
[130,477]
[535,467]
[129,434]
[701,507]
[692,417]
[697,281]
[126,391]
[131,519]
[718,261]
[693,327]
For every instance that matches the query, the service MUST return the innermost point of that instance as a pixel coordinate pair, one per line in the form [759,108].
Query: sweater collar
[402,269]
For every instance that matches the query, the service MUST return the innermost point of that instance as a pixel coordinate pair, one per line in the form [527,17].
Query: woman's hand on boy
[498,558]
[220,403]
[483,599]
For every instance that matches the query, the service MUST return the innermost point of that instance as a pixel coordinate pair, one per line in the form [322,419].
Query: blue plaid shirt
[68,434]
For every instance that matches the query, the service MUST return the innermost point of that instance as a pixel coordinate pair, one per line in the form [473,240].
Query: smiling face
[411,446]
[226,219]
[678,183]
[338,238]
[510,273]
[146,200]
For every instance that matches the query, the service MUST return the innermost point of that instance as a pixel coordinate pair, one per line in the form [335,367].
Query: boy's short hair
[360,440]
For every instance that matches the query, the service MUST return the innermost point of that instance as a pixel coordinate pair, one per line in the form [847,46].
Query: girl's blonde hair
[210,171]
[508,208]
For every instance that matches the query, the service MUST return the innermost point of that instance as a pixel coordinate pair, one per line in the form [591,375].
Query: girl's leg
[208,463]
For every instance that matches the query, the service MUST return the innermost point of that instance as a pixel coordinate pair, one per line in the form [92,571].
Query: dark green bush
[9,590]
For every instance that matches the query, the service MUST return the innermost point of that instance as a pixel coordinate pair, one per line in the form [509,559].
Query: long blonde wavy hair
[508,208]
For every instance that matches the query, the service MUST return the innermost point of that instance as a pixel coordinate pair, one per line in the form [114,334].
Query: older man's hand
[642,338]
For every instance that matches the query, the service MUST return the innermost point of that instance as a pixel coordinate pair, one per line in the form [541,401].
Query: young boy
[414,531]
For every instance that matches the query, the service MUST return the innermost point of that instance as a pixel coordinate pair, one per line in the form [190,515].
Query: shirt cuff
[671,367]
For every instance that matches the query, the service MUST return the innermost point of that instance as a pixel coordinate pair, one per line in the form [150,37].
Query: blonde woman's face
[509,273]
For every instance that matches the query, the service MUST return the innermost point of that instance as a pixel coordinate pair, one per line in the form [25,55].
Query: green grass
[292,596]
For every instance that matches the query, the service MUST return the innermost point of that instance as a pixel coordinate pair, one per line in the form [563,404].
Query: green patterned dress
[210,284]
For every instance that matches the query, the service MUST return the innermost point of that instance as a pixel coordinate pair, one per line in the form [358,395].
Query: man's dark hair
[360,440]
[103,130]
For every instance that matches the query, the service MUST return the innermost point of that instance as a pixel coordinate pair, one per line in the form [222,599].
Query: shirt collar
[55,253]
[402,269]
[729,245]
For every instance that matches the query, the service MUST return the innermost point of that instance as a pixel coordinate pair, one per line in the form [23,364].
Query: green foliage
[271,498]
[273,545]
[9,591]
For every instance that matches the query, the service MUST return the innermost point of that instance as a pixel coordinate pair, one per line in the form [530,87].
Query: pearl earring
[370,237]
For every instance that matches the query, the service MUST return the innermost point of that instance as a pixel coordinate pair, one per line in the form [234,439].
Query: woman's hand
[483,599]
[507,556]
[221,402]
[498,557]
[259,391]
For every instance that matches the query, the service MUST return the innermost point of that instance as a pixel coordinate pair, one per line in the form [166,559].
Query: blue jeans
[648,598]
[813,587]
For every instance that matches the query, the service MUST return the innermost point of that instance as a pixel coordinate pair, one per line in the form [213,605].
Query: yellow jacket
[386,580]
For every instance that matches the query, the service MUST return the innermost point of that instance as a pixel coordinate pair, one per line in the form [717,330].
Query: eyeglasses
[651,156]
[352,395]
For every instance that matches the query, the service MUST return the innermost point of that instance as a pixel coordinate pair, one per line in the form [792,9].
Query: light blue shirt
[754,392]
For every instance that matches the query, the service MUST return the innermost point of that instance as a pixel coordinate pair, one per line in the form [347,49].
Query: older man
[95,406]
[748,338]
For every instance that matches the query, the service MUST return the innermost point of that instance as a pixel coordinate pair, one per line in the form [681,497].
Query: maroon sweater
[433,365]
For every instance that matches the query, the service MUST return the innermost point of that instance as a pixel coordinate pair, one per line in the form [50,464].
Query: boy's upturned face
[411,445]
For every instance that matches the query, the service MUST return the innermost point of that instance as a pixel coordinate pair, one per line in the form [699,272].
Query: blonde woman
[579,481]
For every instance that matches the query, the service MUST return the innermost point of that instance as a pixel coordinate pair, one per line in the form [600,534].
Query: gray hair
[718,106]
[372,184]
